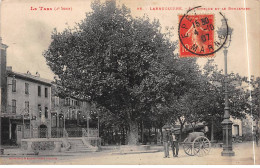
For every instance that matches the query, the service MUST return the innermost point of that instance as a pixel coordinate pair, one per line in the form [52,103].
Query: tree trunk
[182,124]
[112,136]
[161,135]
[212,130]
[180,140]
[149,135]
[123,137]
[155,133]
[142,132]
[133,133]
[126,133]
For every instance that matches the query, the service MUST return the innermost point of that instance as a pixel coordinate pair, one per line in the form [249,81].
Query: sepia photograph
[129,82]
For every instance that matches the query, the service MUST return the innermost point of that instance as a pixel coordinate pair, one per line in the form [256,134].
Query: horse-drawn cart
[196,144]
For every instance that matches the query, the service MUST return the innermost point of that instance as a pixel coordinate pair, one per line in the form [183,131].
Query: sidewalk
[115,149]
[244,155]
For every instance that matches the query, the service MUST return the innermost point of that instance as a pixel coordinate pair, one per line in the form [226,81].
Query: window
[54,119]
[13,85]
[68,115]
[27,106]
[13,106]
[46,112]
[39,91]
[26,88]
[56,101]
[40,110]
[61,120]
[27,126]
[73,115]
[46,92]
[67,101]
[236,130]
[19,128]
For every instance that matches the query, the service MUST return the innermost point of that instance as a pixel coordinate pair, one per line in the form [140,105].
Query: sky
[27,33]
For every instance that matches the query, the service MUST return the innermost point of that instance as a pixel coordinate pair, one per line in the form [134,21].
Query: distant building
[68,112]
[27,111]
[236,127]
[248,126]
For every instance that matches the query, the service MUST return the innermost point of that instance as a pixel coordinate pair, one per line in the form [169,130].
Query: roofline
[78,99]
[24,77]
[3,46]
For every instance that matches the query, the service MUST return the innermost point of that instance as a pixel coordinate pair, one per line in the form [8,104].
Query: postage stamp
[197,35]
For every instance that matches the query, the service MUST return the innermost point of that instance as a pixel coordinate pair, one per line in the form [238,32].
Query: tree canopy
[124,64]
[127,67]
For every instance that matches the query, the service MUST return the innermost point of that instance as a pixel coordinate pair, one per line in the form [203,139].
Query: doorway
[43,130]
[236,130]
[13,134]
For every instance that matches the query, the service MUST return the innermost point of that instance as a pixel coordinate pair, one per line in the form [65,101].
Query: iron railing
[69,132]
[43,132]
[57,132]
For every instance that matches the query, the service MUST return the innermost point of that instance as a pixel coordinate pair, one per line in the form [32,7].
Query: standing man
[166,142]
[175,144]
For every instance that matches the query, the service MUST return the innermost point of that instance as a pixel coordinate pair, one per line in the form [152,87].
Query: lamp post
[78,118]
[223,31]
[27,113]
[88,117]
[98,125]
[64,129]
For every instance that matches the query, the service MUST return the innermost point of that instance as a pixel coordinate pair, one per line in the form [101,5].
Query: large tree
[213,99]
[253,99]
[123,64]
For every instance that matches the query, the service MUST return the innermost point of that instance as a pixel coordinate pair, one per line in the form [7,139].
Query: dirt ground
[244,155]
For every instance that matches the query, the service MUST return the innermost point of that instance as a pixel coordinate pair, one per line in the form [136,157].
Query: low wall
[43,144]
[56,144]
[93,141]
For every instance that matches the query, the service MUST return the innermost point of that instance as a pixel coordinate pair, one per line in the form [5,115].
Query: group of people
[170,138]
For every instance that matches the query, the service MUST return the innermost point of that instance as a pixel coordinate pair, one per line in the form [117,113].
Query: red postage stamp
[196,35]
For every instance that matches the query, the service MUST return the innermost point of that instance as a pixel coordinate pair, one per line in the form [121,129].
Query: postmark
[197,34]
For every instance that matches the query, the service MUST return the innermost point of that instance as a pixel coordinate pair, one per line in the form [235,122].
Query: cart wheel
[201,146]
[187,147]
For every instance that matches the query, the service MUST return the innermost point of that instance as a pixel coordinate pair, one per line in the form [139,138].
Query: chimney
[28,73]
[37,74]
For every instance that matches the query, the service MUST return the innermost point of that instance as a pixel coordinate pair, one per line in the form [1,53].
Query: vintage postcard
[129,82]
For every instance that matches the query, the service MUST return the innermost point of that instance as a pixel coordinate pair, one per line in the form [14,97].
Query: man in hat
[166,140]
[174,144]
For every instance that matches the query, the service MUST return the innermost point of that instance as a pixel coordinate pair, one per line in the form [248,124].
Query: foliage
[126,67]
[253,98]
[124,64]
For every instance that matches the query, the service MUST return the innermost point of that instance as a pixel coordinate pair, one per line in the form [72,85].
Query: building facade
[3,84]
[236,127]
[27,108]
[70,114]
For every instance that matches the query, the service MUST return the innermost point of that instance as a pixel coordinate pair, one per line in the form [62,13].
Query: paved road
[244,155]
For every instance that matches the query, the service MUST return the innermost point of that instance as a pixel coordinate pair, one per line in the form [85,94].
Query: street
[243,156]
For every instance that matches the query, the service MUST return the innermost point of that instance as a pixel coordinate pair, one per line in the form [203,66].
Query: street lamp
[223,31]
[64,129]
[78,118]
[88,117]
